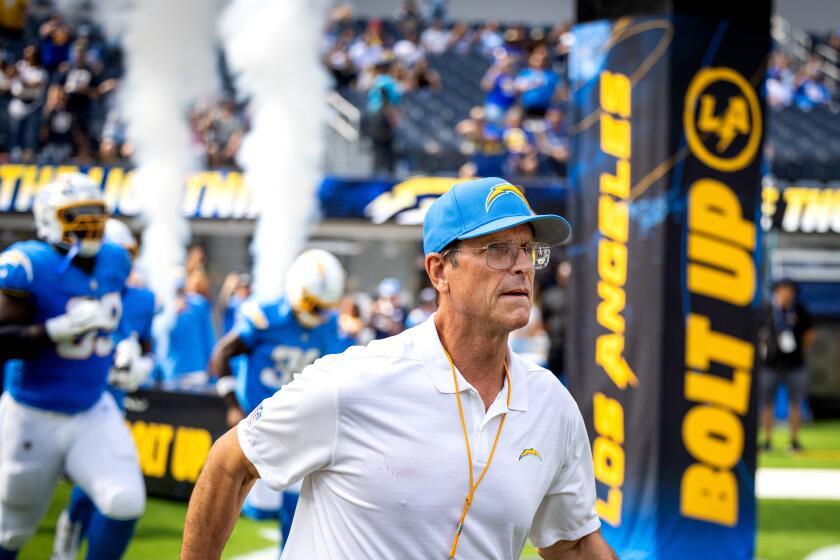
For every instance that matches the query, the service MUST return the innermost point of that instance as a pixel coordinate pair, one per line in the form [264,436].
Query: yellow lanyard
[473,487]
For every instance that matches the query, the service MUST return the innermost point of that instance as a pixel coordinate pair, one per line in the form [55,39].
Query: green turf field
[820,443]
[787,529]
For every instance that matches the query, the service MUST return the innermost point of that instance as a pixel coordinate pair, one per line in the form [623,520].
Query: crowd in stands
[804,87]
[519,130]
[60,83]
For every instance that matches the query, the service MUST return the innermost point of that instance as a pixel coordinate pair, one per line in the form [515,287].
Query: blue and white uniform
[55,413]
[278,348]
[68,377]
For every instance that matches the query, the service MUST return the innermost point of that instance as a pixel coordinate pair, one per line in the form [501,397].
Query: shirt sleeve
[567,511]
[293,433]
[16,272]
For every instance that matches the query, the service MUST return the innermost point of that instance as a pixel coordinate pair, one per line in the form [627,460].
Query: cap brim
[549,228]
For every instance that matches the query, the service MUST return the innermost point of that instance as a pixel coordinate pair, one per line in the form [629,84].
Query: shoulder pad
[17,258]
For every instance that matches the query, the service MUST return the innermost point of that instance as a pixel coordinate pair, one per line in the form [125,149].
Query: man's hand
[131,368]
[86,315]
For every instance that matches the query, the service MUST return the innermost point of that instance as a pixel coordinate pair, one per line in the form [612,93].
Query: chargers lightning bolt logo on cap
[501,190]
[530,451]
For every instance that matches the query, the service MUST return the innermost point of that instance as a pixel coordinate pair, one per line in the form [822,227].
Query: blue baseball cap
[483,206]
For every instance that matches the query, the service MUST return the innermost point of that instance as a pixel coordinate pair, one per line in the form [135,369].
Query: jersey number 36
[99,342]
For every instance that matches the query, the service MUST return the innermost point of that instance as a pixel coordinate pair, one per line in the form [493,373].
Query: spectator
[235,290]
[388,314]
[409,15]
[382,117]
[779,81]
[421,76]
[484,144]
[223,135]
[786,332]
[462,39]
[811,91]
[489,39]
[498,85]
[555,302]
[351,322]
[426,306]
[536,85]
[192,336]
[408,51]
[436,38]
[112,142]
[369,49]
[531,341]
[54,43]
[57,137]
[513,44]
[553,141]
[338,61]
[28,87]
[78,82]
[196,261]
[7,72]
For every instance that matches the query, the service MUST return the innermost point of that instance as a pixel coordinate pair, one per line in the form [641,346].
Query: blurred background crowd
[432,94]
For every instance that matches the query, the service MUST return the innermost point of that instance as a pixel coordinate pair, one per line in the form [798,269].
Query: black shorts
[796,381]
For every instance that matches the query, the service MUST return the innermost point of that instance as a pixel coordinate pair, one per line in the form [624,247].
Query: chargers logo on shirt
[530,451]
[254,416]
[499,191]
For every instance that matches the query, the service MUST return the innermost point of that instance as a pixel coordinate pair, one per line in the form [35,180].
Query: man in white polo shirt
[438,442]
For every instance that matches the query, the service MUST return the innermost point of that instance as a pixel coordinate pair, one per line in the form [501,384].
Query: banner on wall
[174,432]
[664,195]
[801,208]
[224,195]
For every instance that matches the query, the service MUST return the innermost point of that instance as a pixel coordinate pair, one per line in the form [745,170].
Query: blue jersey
[139,310]
[191,339]
[278,347]
[70,376]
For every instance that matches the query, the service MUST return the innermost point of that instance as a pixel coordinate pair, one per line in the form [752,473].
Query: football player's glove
[131,367]
[314,285]
[83,316]
[70,212]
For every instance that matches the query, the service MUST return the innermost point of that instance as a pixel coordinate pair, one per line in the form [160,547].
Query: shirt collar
[430,350]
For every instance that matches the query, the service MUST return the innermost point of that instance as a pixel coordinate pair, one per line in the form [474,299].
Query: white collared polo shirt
[376,436]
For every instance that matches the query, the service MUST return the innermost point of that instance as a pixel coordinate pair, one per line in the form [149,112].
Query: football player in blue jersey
[59,307]
[133,364]
[280,338]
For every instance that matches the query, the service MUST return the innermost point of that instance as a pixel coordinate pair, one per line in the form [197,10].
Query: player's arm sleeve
[19,337]
[567,512]
[294,432]
[16,273]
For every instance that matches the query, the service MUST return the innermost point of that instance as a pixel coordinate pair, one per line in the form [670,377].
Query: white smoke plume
[273,49]
[170,62]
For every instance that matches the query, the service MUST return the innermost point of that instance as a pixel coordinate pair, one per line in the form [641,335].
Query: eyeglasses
[502,255]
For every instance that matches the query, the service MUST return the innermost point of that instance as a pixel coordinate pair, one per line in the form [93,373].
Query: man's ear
[436,269]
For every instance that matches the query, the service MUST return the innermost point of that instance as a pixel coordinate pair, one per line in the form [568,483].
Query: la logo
[733,121]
